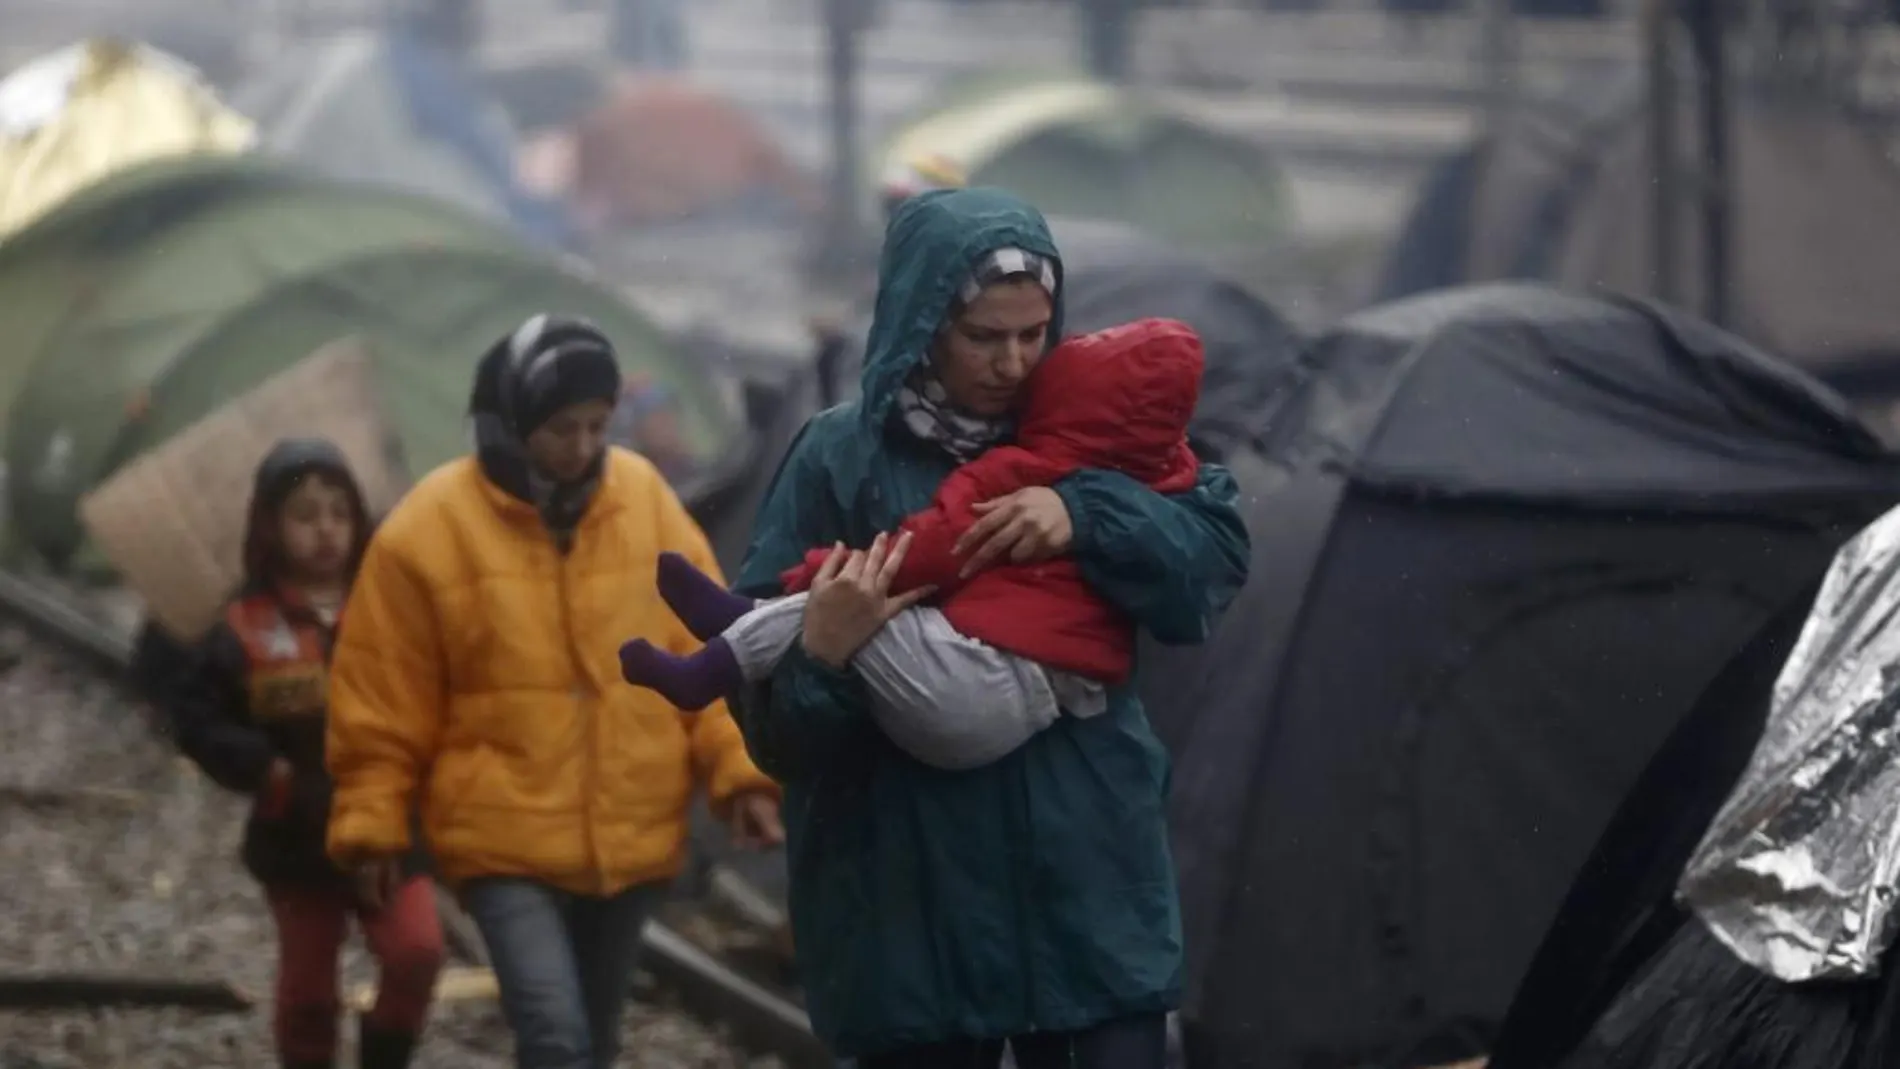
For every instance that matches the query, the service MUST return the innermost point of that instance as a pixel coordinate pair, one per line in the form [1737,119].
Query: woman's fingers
[834,563]
[874,557]
[893,562]
[1001,541]
[893,606]
[980,532]
[854,568]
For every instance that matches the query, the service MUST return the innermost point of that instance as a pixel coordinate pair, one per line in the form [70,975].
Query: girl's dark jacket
[254,689]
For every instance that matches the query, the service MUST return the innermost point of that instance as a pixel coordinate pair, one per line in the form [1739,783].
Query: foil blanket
[1797,872]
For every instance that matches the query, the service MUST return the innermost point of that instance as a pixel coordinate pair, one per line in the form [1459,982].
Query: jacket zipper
[591,744]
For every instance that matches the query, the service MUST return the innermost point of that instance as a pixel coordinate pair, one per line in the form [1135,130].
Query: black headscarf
[542,367]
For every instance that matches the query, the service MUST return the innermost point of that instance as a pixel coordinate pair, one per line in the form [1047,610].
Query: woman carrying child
[939,914]
[1012,647]
[249,706]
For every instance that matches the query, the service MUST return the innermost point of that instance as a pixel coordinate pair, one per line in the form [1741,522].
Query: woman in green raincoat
[938,914]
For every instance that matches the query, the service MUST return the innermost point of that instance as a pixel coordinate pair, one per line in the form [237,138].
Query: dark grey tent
[1563,195]
[1113,274]
[1503,537]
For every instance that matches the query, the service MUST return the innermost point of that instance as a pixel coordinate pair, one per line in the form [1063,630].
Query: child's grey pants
[943,697]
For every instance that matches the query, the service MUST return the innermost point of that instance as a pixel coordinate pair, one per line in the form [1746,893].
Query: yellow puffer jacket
[478,666]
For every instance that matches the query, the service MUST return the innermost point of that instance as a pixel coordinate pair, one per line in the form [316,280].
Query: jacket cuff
[1075,502]
[807,671]
[357,834]
[735,777]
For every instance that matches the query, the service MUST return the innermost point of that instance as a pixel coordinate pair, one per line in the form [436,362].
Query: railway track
[753,1013]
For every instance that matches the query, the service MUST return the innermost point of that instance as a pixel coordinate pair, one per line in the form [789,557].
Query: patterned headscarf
[923,402]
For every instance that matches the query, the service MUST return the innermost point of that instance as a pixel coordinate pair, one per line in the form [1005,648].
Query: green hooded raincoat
[1035,893]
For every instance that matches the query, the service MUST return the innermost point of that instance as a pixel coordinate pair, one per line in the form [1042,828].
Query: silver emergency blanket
[1797,873]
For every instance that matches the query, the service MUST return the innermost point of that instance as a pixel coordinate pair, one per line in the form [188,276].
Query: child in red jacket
[247,705]
[1012,646]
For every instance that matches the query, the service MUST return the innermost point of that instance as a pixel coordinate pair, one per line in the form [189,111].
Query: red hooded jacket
[1117,400]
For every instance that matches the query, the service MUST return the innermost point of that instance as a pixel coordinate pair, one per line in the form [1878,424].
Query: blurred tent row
[1564,193]
[573,155]
[1085,149]
[154,269]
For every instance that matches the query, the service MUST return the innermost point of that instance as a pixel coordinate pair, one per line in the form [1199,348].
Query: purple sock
[705,607]
[691,683]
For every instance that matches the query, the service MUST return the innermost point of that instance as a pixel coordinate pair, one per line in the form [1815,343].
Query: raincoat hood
[288,461]
[933,243]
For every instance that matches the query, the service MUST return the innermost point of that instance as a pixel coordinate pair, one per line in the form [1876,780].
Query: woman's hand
[851,599]
[376,881]
[756,824]
[1028,526]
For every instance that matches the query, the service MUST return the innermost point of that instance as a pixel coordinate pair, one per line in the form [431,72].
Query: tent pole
[1497,56]
[845,21]
[1664,187]
[1707,26]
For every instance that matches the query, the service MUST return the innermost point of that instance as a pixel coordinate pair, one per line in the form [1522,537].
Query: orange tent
[660,149]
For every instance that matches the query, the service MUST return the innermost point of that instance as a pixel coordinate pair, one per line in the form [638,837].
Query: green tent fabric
[164,248]
[1086,149]
[50,268]
[160,326]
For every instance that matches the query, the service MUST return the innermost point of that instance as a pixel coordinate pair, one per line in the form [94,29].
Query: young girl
[1018,643]
[249,710]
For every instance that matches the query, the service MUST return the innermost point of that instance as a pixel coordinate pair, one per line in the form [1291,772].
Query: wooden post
[1659,24]
[845,21]
[1497,60]
[1707,30]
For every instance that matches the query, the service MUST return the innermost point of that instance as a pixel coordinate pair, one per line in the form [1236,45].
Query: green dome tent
[161,248]
[1086,149]
[163,325]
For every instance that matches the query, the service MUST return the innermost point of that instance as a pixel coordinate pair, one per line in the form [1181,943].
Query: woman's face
[987,353]
[565,446]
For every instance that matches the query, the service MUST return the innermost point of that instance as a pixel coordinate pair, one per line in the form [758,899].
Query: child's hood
[1126,393]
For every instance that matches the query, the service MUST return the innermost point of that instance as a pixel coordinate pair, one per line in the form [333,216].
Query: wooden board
[172,520]
[453,985]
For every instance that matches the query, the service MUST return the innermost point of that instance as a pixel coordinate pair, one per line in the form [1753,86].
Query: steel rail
[760,1020]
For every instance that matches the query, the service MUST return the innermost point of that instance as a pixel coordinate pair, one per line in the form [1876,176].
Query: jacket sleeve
[806,714]
[1173,563]
[934,531]
[202,698]
[719,751]
[388,687]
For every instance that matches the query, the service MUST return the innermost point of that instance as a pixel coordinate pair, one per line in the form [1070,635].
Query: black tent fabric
[1563,192]
[1621,910]
[1503,537]
[1114,274]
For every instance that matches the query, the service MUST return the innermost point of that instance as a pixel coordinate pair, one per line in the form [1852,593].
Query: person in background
[936,913]
[247,705]
[477,673]
[646,420]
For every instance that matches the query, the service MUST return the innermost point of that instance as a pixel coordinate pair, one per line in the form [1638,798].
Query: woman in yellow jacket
[476,675]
